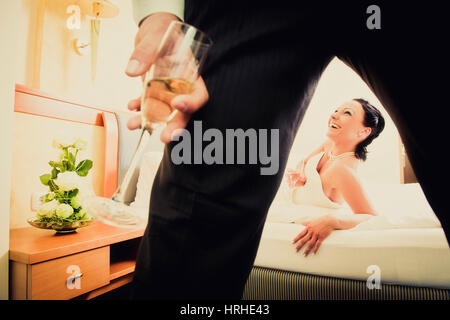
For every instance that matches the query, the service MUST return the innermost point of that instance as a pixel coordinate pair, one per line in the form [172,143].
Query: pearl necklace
[342,155]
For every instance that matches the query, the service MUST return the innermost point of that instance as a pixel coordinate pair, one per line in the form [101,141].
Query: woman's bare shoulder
[342,171]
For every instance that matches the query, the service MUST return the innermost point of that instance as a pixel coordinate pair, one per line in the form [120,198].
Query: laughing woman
[328,178]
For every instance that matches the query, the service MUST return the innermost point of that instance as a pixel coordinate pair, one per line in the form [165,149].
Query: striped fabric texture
[271,284]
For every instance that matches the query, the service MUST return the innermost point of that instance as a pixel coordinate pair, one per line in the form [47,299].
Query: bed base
[272,284]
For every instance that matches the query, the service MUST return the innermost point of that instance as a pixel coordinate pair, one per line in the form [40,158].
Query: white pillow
[149,167]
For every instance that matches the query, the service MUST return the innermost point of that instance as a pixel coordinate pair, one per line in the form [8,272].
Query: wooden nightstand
[92,261]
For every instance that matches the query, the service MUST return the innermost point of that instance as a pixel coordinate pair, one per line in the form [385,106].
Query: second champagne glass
[177,65]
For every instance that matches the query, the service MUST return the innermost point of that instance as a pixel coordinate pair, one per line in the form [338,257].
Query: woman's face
[346,123]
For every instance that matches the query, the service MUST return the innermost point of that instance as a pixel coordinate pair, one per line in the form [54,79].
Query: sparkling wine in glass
[177,65]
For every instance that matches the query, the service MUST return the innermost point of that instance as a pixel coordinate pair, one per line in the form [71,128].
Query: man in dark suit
[205,221]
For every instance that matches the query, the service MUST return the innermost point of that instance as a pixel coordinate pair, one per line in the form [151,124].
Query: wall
[43,33]
[8,14]
[48,62]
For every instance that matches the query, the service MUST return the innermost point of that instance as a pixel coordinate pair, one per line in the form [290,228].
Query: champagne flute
[292,178]
[177,65]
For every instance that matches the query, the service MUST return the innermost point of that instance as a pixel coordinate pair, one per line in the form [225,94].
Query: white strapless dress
[312,192]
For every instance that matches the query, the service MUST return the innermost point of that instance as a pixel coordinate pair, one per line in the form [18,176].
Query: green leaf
[83,168]
[65,164]
[45,179]
[54,164]
[55,173]
[71,161]
[73,193]
[59,194]
[57,165]
[52,185]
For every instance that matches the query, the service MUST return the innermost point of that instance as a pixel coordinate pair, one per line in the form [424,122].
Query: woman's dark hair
[372,119]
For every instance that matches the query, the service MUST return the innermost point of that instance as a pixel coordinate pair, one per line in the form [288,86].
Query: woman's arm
[319,229]
[297,178]
[345,180]
[347,183]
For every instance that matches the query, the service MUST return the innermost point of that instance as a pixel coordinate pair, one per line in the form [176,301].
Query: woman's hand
[315,232]
[295,178]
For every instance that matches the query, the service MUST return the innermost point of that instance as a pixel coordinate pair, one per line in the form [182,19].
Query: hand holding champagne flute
[174,72]
[150,30]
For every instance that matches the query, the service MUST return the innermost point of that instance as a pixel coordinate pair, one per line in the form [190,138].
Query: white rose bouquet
[61,207]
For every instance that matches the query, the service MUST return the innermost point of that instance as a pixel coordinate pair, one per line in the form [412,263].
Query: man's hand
[186,104]
[146,45]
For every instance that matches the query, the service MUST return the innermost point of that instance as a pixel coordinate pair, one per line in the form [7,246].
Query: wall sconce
[100,8]
[96,9]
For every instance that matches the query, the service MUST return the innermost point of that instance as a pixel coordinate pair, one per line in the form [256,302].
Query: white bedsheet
[398,206]
[405,241]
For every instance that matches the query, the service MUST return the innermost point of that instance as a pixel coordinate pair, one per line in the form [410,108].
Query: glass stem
[120,193]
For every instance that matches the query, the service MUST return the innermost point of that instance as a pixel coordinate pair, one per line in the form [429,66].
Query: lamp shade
[99,8]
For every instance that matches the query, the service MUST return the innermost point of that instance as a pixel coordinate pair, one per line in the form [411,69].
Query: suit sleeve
[144,8]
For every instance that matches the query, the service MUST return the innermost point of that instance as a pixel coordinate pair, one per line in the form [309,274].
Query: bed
[400,254]
[405,247]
